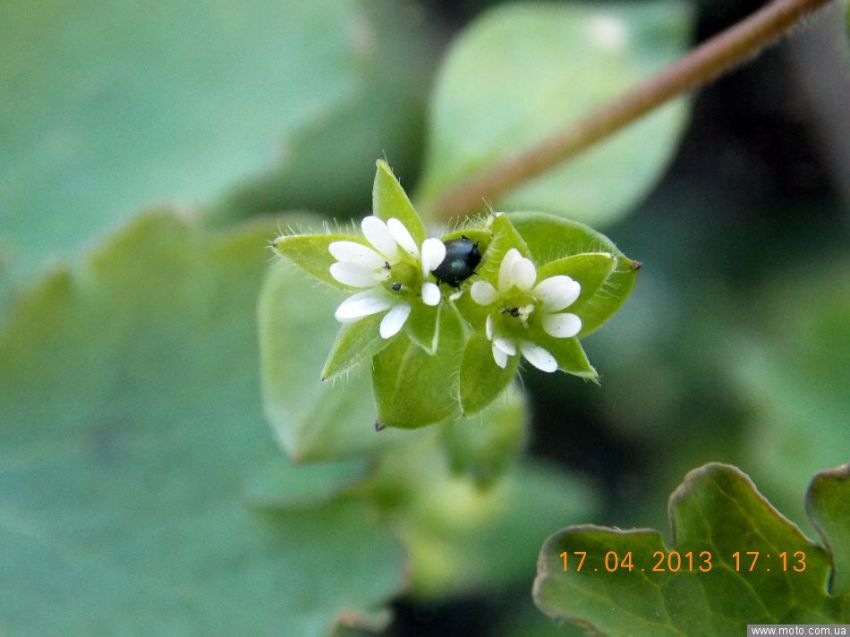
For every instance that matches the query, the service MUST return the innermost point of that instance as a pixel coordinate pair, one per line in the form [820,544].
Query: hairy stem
[719,54]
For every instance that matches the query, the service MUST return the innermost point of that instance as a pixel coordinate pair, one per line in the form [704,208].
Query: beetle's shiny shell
[462,257]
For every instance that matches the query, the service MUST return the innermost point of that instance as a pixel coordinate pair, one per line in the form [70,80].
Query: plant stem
[705,63]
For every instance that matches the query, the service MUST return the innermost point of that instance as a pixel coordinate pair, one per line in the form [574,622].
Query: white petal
[430,293]
[506,269]
[362,304]
[500,357]
[505,344]
[523,274]
[433,253]
[557,292]
[483,293]
[537,356]
[561,325]
[402,236]
[353,252]
[355,275]
[488,327]
[394,320]
[377,233]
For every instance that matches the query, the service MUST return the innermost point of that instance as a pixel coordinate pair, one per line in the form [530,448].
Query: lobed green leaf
[828,506]
[717,510]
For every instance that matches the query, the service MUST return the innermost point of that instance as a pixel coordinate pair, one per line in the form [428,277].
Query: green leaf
[793,376]
[549,238]
[462,538]
[413,388]
[313,421]
[328,161]
[310,253]
[355,343]
[129,430]
[281,485]
[828,506]
[485,446]
[523,71]
[716,510]
[481,380]
[389,200]
[181,102]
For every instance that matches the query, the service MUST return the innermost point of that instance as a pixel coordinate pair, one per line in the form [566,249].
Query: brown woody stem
[719,54]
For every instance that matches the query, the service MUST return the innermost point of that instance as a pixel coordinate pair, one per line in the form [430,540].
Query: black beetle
[462,257]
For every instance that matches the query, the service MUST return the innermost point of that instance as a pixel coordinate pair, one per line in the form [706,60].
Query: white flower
[388,271]
[518,297]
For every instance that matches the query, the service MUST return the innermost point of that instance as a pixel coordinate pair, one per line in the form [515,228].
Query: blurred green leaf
[828,506]
[793,374]
[486,445]
[313,420]
[131,440]
[522,71]
[109,107]
[462,538]
[414,388]
[718,510]
[549,239]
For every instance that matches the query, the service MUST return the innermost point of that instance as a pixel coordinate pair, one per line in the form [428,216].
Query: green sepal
[591,270]
[389,200]
[570,355]
[550,238]
[354,343]
[486,445]
[423,326]
[413,388]
[504,237]
[828,506]
[481,380]
[310,253]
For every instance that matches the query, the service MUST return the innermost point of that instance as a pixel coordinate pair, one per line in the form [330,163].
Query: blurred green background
[148,153]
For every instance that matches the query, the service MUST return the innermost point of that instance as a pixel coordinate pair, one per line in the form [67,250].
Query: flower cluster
[518,304]
[442,324]
[393,272]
